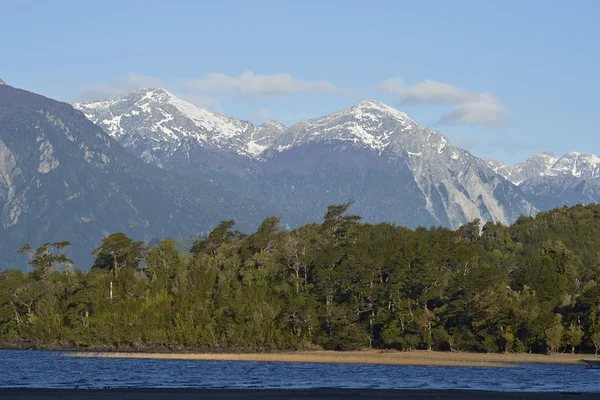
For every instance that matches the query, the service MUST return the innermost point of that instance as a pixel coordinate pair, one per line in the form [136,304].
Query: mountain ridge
[281,139]
[577,164]
[456,190]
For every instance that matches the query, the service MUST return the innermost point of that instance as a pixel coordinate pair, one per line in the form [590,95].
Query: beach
[432,358]
[313,394]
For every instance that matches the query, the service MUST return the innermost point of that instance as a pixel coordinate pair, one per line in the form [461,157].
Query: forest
[340,284]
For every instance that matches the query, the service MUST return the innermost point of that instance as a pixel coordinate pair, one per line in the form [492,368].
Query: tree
[574,334]
[264,238]
[118,251]
[595,337]
[47,258]
[218,236]
[162,259]
[337,222]
[554,335]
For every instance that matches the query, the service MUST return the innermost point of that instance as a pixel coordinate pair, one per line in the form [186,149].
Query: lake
[50,369]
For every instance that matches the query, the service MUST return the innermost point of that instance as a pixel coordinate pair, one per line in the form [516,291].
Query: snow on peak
[370,124]
[579,165]
[2,82]
[274,125]
[576,164]
[374,106]
[157,121]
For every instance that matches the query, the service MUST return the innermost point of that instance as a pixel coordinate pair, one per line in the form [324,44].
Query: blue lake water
[48,369]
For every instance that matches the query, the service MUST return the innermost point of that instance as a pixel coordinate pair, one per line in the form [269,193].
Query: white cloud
[117,86]
[467,107]
[263,115]
[250,84]
[213,87]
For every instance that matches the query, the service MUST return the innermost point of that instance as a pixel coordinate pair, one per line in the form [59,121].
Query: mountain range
[153,165]
[372,154]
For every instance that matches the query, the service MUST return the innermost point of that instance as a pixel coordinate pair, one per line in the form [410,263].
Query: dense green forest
[341,284]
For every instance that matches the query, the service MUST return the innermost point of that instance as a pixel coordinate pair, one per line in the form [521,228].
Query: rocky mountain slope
[63,178]
[578,165]
[549,181]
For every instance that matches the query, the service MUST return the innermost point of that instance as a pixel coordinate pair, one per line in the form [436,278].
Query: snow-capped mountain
[451,186]
[392,167]
[537,165]
[368,123]
[455,185]
[578,165]
[549,181]
[156,125]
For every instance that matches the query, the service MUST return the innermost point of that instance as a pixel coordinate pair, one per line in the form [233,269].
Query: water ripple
[46,369]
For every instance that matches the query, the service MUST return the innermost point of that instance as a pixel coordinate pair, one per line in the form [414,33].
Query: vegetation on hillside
[341,284]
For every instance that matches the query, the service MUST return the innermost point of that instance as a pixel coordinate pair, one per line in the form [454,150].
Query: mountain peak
[377,107]
[370,103]
[2,82]
[274,124]
[149,93]
[577,164]
[580,154]
[156,123]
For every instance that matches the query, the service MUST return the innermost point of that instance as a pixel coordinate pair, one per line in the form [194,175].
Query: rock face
[414,176]
[549,192]
[9,175]
[63,178]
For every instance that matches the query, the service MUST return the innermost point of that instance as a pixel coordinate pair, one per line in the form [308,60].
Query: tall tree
[47,258]
[218,236]
[118,251]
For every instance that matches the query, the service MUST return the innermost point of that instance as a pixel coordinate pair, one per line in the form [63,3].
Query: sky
[502,79]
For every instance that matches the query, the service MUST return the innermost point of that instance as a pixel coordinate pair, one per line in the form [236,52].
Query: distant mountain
[63,178]
[371,153]
[578,165]
[548,192]
[549,181]
[537,165]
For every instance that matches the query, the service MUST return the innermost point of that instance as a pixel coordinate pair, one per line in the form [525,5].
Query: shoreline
[415,358]
[291,394]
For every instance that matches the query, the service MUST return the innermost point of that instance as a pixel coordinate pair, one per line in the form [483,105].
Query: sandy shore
[360,357]
[346,394]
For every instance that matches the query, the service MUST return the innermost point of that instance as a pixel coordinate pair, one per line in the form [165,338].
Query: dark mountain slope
[63,178]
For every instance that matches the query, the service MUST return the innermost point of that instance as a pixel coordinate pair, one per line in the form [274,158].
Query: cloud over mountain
[467,107]
[250,84]
[215,85]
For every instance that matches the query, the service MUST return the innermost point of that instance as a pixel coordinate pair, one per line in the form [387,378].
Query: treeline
[341,284]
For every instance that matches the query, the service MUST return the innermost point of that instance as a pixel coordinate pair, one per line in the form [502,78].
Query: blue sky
[503,79]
